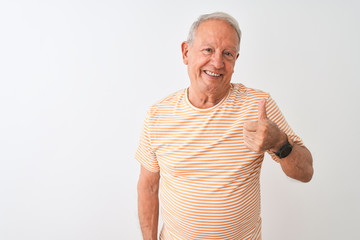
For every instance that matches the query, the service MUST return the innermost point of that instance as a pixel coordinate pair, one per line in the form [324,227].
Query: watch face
[285,151]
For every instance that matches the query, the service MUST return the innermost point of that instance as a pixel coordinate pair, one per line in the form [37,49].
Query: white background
[76,78]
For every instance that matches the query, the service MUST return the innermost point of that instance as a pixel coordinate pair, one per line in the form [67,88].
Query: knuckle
[261,138]
[265,128]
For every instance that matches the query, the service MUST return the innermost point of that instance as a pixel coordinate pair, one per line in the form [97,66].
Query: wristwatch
[286,149]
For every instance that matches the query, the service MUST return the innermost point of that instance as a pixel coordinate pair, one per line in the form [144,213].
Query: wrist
[283,139]
[285,149]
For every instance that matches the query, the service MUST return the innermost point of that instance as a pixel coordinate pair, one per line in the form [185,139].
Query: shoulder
[249,94]
[167,103]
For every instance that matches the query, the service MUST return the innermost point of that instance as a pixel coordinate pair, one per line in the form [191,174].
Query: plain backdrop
[76,78]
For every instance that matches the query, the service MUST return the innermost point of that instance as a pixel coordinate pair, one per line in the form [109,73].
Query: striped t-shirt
[209,186]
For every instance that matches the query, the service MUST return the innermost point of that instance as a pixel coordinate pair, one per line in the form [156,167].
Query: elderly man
[207,142]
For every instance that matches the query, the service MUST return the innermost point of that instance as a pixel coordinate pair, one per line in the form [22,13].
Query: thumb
[262,110]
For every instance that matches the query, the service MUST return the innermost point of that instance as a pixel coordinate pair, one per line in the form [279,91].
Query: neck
[204,100]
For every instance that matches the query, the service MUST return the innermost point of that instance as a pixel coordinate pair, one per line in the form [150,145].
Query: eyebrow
[231,48]
[208,44]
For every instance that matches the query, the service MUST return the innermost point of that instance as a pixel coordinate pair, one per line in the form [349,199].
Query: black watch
[285,150]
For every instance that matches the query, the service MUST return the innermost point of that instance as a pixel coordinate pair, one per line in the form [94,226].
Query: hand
[263,134]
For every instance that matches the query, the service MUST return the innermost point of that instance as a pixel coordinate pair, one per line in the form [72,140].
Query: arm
[298,164]
[148,203]
[264,135]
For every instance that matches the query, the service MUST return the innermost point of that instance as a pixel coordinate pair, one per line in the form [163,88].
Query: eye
[228,54]
[207,50]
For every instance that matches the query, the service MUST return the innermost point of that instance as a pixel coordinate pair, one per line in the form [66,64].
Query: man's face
[211,57]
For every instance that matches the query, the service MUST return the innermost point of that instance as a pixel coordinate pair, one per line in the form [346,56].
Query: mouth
[212,74]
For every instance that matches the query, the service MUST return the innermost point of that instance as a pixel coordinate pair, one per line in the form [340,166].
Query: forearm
[148,205]
[298,164]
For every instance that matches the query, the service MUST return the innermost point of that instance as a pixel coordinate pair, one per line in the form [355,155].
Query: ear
[185,51]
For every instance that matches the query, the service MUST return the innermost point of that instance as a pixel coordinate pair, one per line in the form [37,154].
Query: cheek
[198,64]
[230,67]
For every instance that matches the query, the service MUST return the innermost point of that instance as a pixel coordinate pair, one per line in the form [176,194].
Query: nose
[217,60]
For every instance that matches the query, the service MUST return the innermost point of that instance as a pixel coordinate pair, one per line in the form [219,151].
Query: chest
[203,143]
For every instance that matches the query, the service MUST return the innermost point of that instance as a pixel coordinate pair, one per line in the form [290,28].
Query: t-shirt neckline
[210,108]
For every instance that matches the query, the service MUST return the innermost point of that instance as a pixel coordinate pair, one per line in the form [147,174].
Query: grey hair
[216,15]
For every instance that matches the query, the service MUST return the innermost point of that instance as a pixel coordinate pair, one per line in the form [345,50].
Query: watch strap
[285,149]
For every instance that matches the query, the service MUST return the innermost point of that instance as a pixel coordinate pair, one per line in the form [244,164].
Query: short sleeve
[145,154]
[274,114]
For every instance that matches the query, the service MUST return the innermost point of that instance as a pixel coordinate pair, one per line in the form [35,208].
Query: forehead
[216,31]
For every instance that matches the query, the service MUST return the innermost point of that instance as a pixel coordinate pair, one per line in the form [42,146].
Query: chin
[216,87]
[212,89]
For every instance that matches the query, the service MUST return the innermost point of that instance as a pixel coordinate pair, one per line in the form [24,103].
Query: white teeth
[212,74]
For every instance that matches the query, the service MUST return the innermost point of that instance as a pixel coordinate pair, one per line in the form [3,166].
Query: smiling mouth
[212,74]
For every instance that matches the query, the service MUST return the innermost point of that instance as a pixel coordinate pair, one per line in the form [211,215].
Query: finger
[250,140]
[251,144]
[248,135]
[251,126]
[262,110]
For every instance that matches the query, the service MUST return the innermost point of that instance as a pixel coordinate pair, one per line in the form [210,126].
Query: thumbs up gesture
[263,134]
